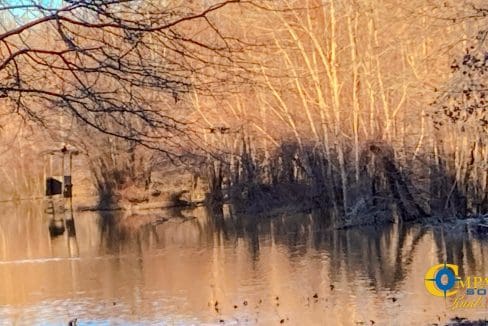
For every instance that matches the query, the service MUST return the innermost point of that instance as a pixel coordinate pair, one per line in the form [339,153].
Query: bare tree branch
[99,60]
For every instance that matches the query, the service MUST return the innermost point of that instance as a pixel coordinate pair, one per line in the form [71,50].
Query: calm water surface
[190,268]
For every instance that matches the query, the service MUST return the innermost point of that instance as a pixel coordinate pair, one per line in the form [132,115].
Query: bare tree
[111,64]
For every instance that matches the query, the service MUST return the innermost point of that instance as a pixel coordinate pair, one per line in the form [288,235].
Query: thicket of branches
[112,64]
[340,115]
[110,77]
[322,103]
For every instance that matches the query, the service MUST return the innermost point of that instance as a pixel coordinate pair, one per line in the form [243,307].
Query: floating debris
[245,303]
[458,319]
[461,321]
[315,296]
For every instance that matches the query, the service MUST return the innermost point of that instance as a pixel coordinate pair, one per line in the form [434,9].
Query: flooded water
[185,268]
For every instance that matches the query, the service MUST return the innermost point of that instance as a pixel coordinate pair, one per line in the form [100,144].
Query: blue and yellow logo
[471,291]
[440,280]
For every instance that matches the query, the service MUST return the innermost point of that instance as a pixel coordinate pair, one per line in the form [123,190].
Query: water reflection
[192,267]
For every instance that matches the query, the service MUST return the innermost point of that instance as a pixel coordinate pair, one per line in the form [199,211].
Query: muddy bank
[168,186]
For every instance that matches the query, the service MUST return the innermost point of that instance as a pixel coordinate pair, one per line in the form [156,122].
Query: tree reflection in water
[382,254]
[180,262]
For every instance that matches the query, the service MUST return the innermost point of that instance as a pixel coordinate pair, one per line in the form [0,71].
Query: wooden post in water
[59,191]
[68,193]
